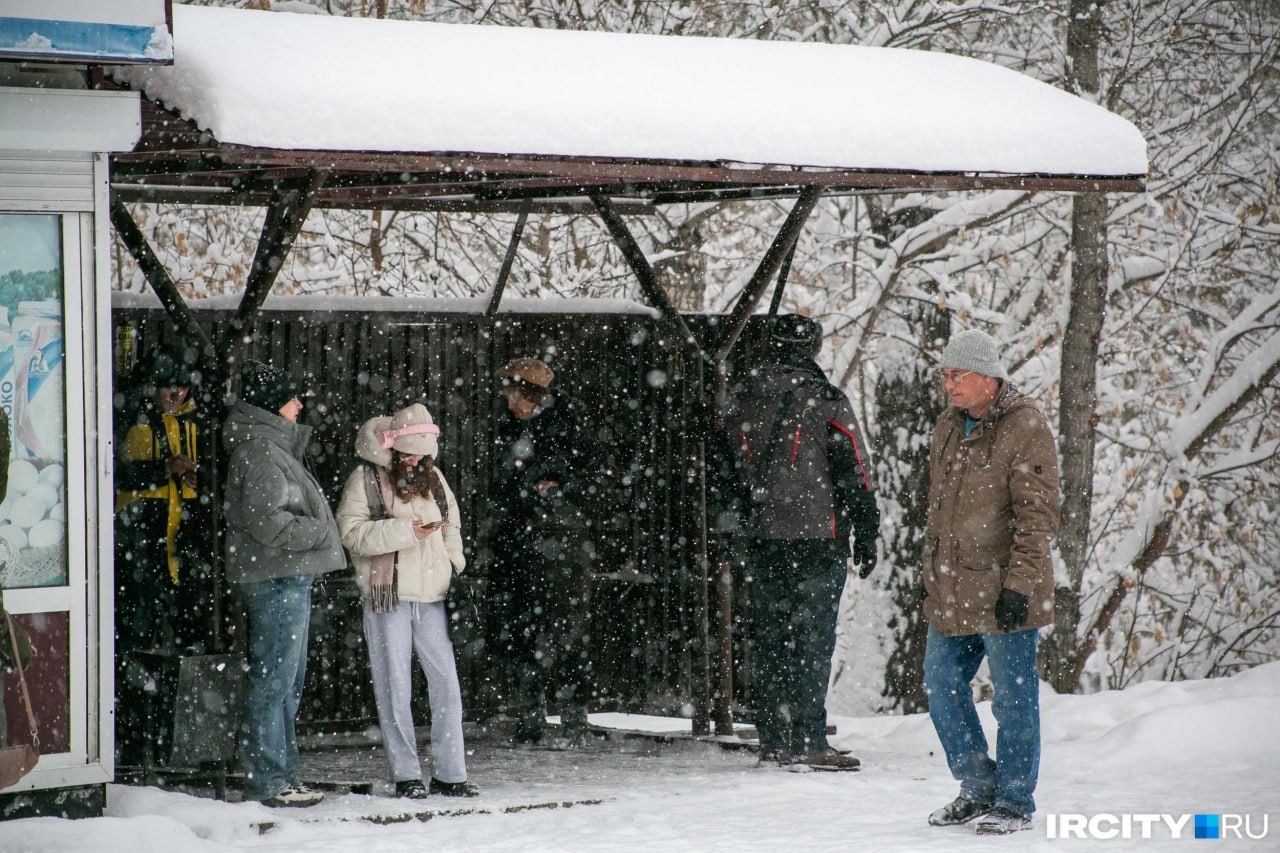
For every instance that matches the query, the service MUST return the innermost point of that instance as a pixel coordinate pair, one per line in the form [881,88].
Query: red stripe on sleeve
[857,451]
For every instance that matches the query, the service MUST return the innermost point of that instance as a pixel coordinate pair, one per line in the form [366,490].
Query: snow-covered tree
[1168,572]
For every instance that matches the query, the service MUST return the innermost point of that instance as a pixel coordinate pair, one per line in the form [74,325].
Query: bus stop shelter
[293,112]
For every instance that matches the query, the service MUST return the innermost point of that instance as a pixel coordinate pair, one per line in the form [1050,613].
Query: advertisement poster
[33,549]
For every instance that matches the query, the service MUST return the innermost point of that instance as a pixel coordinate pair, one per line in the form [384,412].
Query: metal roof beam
[765,272]
[161,282]
[285,215]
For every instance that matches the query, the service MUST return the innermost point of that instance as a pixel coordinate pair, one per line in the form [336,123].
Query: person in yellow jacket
[157,459]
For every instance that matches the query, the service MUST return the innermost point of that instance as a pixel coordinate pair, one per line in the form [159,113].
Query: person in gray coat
[281,535]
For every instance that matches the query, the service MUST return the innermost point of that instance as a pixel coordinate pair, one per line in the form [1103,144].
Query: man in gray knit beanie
[988,578]
[973,350]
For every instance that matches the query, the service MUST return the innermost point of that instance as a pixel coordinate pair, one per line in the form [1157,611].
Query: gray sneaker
[1002,821]
[293,796]
[960,810]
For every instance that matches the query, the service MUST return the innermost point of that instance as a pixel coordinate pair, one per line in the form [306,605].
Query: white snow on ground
[1201,747]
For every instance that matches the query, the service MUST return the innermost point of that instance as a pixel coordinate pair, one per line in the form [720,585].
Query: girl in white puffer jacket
[399,521]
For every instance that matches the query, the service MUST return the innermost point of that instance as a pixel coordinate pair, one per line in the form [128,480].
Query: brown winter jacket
[993,510]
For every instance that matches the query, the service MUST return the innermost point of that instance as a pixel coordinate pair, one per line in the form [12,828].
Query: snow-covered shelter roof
[415,114]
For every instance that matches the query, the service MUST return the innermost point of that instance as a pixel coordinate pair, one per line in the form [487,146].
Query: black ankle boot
[453,789]
[411,789]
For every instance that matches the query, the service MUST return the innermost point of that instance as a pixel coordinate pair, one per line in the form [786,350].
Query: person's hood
[771,378]
[369,441]
[246,423]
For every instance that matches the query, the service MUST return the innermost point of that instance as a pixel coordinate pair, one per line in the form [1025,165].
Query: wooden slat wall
[626,368]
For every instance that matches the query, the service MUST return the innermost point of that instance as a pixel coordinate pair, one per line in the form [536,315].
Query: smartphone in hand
[425,528]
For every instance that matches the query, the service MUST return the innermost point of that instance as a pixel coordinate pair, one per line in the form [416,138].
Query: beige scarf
[382,571]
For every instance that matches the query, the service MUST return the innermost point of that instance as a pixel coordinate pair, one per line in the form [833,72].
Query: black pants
[795,595]
[152,613]
[540,598]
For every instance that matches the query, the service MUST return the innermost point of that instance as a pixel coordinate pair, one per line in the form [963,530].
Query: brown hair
[416,481]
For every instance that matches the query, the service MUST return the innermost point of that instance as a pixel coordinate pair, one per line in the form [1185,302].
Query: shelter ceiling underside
[176,162]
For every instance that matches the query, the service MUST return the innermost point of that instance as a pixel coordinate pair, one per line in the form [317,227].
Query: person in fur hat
[546,470]
[399,521]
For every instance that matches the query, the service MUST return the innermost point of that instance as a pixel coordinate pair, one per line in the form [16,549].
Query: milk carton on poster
[38,411]
[6,367]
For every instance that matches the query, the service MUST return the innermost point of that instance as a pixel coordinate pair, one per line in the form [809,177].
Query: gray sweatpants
[392,639]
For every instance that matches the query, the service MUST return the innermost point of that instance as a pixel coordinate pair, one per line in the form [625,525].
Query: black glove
[1012,608]
[864,555]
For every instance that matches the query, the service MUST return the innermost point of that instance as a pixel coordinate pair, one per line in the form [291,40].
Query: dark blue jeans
[950,664]
[279,612]
[795,595]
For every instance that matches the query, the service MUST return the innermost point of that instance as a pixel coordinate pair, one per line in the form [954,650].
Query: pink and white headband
[389,436]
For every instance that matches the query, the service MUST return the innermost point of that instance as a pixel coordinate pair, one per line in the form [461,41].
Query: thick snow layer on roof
[315,82]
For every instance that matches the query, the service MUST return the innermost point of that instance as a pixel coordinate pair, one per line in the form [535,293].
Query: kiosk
[55,531]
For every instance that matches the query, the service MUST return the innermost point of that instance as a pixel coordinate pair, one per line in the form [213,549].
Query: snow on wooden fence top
[316,82]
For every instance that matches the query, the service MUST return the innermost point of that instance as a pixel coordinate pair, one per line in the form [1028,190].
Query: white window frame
[87,596]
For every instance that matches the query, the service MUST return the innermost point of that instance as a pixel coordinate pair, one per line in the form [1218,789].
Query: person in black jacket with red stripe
[805,483]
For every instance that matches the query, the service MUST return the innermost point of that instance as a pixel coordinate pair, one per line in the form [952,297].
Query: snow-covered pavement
[1157,749]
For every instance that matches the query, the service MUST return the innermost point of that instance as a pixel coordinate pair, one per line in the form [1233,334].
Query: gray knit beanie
[973,349]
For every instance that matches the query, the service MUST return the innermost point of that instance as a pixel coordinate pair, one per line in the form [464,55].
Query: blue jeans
[950,664]
[279,611]
[794,599]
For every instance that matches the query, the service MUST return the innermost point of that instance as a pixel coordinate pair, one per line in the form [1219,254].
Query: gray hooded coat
[278,521]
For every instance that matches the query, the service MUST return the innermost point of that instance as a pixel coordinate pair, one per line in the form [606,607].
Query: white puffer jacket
[423,566]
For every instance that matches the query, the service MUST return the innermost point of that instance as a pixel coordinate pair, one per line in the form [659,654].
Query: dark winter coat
[556,444]
[799,458]
[993,510]
[278,521]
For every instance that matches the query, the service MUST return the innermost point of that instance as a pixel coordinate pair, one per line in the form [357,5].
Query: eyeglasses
[952,377]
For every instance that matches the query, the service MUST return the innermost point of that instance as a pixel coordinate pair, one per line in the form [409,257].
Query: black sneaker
[1002,821]
[453,789]
[960,810]
[569,742]
[411,789]
[829,759]
[779,755]
[293,796]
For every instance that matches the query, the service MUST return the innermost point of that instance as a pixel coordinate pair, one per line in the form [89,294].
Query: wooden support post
[777,261]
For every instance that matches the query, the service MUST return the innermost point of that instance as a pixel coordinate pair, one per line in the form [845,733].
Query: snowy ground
[1205,747]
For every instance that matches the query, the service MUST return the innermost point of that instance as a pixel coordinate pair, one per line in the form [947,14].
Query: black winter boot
[960,810]
[453,789]
[411,789]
